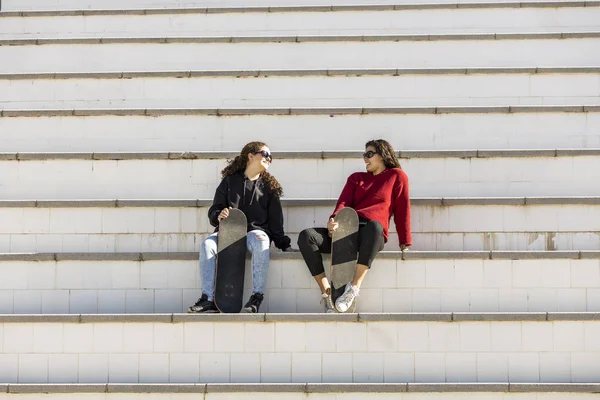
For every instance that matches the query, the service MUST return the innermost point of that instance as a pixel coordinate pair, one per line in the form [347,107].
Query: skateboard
[231,262]
[344,253]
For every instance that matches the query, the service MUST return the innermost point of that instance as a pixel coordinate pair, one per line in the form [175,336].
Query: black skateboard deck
[344,253]
[231,262]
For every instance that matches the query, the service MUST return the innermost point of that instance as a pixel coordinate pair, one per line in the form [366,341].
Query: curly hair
[386,151]
[238,164]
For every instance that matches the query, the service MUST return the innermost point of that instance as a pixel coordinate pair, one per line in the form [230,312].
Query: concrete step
[283,348]
[367,91]
[251,22]
[295,111]
[467,173]
[73,283]
[160,133]
[181,225]
[347,72]
[215,5]
[310,391]
[467,51]
[198,7]
[351,38]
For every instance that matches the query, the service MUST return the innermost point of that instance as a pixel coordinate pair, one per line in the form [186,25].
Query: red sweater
[377,197]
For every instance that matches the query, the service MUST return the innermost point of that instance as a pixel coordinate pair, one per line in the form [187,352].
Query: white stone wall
[319,133]
[319,178]
[294,23]
[71,287]
[410,54]
[371,352]
[177,229]
[367,91]
[8,5]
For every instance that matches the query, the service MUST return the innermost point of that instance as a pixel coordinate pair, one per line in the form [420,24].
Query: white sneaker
[327,304]
[344,302]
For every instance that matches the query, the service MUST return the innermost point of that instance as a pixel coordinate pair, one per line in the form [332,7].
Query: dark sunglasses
[265,154]
[369,154]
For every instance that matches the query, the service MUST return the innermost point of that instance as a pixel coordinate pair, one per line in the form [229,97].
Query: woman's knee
[304,238]
[374,228]
[258,241]
[310,237]
[209,246]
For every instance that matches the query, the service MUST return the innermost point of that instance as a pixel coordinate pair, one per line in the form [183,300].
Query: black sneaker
[203,305]
[253,304]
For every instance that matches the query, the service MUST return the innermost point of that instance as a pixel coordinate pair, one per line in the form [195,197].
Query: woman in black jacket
[248,186]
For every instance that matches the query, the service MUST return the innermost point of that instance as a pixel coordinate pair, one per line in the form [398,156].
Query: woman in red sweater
[376,195]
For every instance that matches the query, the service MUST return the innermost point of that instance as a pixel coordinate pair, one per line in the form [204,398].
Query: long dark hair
[238,164]
[386,151]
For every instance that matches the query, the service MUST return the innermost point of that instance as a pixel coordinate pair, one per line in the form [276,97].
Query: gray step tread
[278,255]
[300,387]
[299,72]
[306,318]
[152,112]
[306,202]
[209,155]
[305,8]
[302,38]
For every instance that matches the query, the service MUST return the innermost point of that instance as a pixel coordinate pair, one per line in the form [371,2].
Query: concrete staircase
[117,116]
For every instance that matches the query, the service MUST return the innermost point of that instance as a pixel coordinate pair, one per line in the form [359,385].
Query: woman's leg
[370,242]
[258,243]
[208,265]
[313,242]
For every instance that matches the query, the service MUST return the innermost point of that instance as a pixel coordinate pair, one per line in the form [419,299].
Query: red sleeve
[401,209]
[347,197]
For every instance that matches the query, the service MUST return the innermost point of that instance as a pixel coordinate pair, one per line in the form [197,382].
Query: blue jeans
[258,244]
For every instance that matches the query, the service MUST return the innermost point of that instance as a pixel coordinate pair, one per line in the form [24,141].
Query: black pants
[315,241]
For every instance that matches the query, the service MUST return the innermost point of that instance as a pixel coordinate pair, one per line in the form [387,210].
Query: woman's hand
[332,226]
[223,214]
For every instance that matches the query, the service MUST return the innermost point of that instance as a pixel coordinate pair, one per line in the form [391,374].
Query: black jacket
[263,209]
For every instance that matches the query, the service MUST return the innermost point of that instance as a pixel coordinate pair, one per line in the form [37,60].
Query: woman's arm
[275,220]
[401,209]
[219,202]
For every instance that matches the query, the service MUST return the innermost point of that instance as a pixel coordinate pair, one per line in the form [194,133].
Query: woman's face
[261,159]
[373,161]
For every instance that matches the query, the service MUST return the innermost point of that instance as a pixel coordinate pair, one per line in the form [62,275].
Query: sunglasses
[265,154]
[369,154]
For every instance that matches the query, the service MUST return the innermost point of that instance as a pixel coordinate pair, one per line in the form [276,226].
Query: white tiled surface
[370,22]
[309,55]
[499,351]
[129,229]
[406,132]
[365,91]
[323,178]
[391,286]
[135,4]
